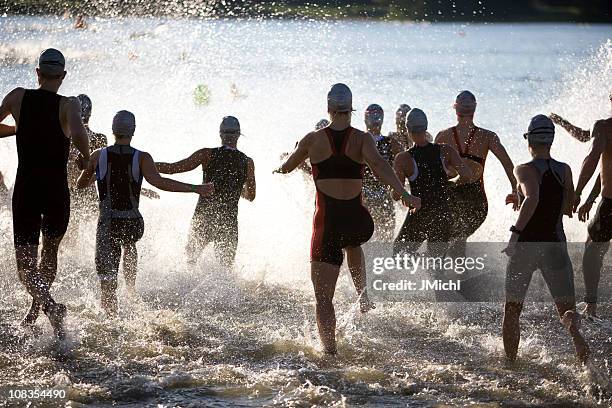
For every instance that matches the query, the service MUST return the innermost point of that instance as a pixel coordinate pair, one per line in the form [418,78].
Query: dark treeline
[418,10]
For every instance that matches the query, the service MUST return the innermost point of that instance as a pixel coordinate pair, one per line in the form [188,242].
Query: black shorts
[41,203]
[469,208]
[600,227]
[338,224]
[111,235]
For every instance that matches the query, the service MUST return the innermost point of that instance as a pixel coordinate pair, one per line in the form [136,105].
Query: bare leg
[108,296]
[130,266]
[356,264]
[512,329]
[324,277]
[592,262]
[571,321]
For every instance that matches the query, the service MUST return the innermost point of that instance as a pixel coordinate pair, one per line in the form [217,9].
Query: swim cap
[323,123]
[124,124]
[374,115]
[401,112]
[465,103]
[541,130]
[340,99]
[416,121]
[230,126]
[51,62]
[85,105]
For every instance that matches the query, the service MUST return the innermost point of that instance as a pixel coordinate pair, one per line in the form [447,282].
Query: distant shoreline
[230,9]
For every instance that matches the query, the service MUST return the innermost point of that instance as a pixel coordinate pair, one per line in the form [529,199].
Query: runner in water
[338,155]
[424,165]
[118,171]
[401,132]
[469,203]
[216,217]
[45,123]
[538,240]
[600,227]
[376,196]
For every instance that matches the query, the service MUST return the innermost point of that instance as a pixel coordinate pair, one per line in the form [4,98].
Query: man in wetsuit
[600,227]
[119,171]
[424,165]
[538,240]
[45,123]
[376,196]
[338,155]
[232,172]
[469,203]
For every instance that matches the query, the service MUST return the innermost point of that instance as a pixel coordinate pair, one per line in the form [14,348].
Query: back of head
[229,129]
[124,124]
[85,106]
[465,103]
[339,99]
[374,115]
[51,64]
[541,131]
[416,121]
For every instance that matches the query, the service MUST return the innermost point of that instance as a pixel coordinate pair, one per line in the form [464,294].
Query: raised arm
[299,154]
[577,133]
[150,173]
[454,160]
[199,158]
[502,155]
[249,190]
[76,129]
[384,173]
[591,160]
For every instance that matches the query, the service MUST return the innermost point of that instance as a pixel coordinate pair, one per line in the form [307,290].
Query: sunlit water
[248,338]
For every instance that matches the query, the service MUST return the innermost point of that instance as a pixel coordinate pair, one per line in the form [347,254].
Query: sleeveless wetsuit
[433,222]
[338,223]
[216,217]
[41,199]
[469,203]
[119,181]
[376,196]
[542,244]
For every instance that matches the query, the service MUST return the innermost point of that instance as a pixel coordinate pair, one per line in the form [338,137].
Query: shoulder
[525,171]
[15,95]
[444,134]
[71,103]
[488,134]
[403,157]
[602,124]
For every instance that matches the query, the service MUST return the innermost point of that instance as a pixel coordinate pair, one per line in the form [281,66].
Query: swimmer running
[338,155]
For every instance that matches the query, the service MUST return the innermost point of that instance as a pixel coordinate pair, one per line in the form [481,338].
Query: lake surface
[248,338]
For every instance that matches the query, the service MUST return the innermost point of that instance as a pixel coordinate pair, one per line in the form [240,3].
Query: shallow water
[248,338]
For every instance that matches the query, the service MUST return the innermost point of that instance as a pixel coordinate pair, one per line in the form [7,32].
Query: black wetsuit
[120,223]
[338,223]
[542,244]
[41,199]
[469,204]
[433,222]
[216,217]
[376,195]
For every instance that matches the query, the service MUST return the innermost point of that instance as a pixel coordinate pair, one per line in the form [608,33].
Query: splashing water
[248,338]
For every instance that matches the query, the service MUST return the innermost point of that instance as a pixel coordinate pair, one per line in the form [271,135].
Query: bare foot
[32,315]
[56,314]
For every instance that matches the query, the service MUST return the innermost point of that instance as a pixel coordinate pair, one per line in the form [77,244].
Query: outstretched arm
[577,133]
[502,155]
[592,159]
[201,157]
[454,160]
[300,153]
[150,173]
[249,190]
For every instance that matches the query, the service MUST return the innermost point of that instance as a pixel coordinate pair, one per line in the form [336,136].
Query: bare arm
[87,176]
[249,190]
[502,155]
[454,160]
[150,173]
[201,157]
[6,130]
[300,153]
[530,187]
[592,159]
[596,191]
[577,133]
[76,129]
[404,168]
[568,201]
[6,109]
